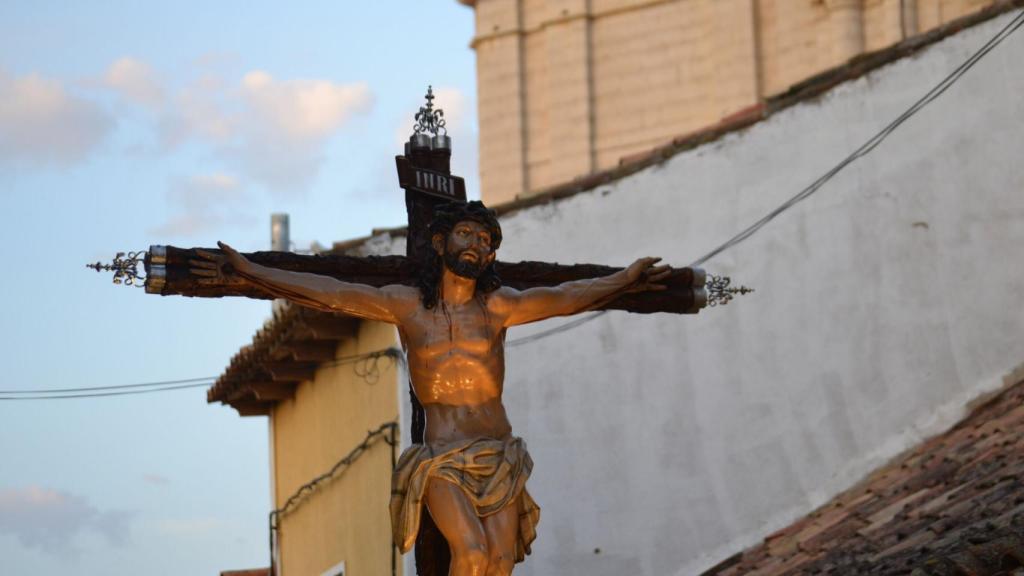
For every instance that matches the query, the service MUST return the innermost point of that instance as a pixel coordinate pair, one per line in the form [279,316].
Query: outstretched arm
[313,290]
[533,304]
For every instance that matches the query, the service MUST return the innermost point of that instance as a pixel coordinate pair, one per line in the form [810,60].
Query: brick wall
[567,87]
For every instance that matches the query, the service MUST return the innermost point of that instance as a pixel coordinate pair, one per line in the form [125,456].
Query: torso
[457,365]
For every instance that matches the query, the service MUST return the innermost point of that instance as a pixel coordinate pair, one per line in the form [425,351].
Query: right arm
[540,303]
[386,304]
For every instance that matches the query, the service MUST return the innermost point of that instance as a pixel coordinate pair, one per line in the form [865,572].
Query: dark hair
[446,216]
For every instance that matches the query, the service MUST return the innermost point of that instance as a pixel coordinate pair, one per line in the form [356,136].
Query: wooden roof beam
[273,391]
[262,390]
[252,408]
[307,351]
[290,371]
[324,326]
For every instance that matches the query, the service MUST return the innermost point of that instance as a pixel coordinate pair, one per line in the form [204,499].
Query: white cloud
[42,123]
[271,131]
[456,106]
[50,520]
[135,81]
[267,131]
[200,527]
[155,479]
[201,204]
[300,110]
[460,119]
[285,125]
[200,111]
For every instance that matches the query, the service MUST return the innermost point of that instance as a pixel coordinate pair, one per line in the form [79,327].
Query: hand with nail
[453,323]
[645,276]
[213,269]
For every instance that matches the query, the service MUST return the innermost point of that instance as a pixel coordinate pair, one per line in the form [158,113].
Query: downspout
[280,241]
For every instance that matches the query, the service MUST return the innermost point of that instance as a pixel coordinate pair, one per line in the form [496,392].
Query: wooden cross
[424,172]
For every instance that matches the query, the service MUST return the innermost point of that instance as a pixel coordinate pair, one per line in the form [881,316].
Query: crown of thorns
[446,216]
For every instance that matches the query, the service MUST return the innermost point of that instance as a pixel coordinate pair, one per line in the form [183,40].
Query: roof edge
[954,499]
[800,92]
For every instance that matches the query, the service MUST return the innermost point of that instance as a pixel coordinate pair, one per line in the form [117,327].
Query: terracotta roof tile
[954,505]
[273,359]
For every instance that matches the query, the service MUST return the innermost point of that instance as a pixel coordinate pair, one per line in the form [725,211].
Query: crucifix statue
[459,491]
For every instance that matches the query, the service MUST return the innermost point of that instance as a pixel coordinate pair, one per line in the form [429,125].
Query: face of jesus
[467,250]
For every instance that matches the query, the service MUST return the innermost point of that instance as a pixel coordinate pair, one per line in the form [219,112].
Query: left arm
[533,304]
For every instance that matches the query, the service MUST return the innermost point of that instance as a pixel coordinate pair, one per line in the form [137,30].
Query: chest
[469,327]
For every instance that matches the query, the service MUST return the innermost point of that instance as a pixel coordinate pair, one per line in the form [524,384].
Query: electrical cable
[370,373]
[101,394]
[556,330]
[860,152]
[397,355]
[394,353]
[872,142]
[119,387]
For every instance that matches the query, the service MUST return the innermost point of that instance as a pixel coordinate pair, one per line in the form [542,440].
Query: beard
[463,268]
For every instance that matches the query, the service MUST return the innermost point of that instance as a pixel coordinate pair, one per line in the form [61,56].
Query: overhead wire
[118,387]
[860,152]
[870,145]
[370,372]
[102,394]
[572,324]
[395,354]
[872,142]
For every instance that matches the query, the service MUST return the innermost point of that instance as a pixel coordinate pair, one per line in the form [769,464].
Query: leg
[502,529]
[457,520]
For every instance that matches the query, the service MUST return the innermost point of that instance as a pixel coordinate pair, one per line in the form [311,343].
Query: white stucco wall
[883,304]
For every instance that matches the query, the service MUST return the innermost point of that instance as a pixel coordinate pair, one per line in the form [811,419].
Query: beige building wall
[567,87]
[347,519]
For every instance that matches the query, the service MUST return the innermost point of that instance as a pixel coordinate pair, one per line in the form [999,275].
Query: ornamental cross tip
[125,269]
[428,119]
[721,293]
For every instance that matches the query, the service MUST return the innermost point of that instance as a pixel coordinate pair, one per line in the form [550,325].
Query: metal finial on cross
[428,119]
[125,268]
[424,172]
[720,291]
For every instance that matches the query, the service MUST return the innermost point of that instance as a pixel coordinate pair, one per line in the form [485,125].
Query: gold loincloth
[491,473]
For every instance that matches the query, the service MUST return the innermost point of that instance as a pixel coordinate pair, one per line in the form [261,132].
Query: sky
[129,124]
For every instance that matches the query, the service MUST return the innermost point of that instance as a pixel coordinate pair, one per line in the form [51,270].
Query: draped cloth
[491,473]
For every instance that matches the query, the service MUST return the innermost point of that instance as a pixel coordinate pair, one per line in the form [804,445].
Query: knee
[500,564]
[470,559]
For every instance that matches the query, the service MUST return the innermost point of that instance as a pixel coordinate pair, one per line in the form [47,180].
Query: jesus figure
[470,471]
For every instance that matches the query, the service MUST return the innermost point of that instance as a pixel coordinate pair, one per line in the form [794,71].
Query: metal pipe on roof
[280,237]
